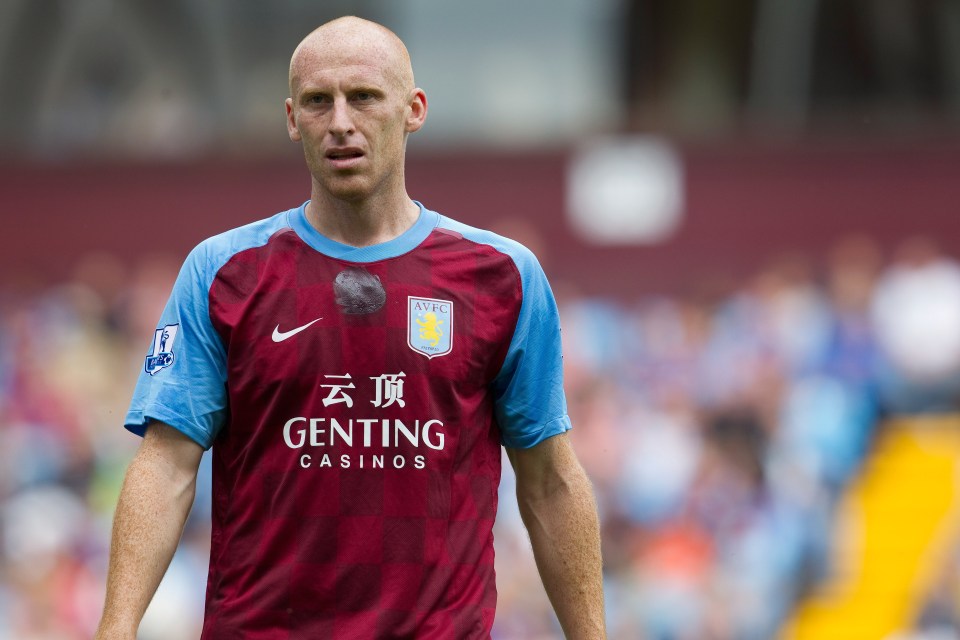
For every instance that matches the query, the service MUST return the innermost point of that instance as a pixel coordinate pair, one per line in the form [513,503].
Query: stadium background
[748,211]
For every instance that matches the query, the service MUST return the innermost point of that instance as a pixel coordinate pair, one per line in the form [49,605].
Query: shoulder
[522,258]
[214,252]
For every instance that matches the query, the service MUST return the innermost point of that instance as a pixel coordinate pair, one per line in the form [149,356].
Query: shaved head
[352,105]
[353,41]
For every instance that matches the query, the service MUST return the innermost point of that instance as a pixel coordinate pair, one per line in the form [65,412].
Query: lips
[344,157]
[344,153]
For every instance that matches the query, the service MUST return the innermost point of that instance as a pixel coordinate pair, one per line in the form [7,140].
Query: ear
[418,111]
[292,129]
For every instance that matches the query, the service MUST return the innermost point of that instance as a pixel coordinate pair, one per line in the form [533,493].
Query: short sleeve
[529,401]
[183,378]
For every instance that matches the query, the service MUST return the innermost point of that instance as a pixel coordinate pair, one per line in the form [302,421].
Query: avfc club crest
[430,326]
[162,355]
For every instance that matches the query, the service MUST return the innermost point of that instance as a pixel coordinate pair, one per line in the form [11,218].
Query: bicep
[171,448]
[544,467]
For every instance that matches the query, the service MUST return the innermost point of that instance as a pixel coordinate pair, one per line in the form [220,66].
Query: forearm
[154,503]
[565,533]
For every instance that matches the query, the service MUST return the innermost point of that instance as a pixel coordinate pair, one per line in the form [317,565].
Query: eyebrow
[350,87]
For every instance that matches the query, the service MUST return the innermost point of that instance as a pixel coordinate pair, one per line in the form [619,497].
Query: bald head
[353,41]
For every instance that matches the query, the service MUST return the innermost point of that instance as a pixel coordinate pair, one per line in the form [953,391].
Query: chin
[347,190]
[353,196]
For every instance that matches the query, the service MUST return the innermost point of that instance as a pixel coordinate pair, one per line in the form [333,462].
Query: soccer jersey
[355,400]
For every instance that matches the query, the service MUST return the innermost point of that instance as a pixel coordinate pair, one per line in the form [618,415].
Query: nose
[341,122]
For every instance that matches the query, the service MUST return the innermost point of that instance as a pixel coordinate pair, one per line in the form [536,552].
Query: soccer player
[356,363]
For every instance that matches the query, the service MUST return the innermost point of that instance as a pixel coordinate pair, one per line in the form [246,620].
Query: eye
[363,96]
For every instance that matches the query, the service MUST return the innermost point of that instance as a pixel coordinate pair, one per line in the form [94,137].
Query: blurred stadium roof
[188,78]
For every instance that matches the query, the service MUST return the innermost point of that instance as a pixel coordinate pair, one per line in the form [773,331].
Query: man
[355,363]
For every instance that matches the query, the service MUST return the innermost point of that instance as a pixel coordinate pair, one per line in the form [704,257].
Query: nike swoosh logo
[279,336]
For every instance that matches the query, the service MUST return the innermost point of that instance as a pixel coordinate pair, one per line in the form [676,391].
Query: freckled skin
[157,493]
[559,510]
[351,86]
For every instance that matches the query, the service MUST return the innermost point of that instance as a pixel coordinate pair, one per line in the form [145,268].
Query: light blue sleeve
[183,378]
[530,404]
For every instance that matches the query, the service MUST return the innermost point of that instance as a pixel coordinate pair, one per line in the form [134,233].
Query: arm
[560,513]
[155,500]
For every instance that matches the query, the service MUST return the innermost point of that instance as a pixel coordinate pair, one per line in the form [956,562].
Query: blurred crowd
[719,429]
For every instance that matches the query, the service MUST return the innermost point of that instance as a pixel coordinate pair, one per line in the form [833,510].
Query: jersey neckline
[426,221]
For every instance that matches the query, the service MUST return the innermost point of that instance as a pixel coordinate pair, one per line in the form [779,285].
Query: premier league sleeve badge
[162,354]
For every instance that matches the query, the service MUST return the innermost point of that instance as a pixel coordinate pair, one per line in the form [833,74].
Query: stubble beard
[356,186]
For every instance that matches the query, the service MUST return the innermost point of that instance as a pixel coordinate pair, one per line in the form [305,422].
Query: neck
[361,223]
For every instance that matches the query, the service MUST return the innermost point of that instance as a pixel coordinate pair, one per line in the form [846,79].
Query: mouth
[344,157]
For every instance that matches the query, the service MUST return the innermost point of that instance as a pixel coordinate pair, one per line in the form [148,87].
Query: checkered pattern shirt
[355,400]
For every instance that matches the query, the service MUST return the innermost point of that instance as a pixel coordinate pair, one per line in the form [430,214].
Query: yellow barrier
[897,525]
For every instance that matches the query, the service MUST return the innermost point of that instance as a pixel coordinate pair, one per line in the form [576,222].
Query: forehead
[341,76]
[343,64]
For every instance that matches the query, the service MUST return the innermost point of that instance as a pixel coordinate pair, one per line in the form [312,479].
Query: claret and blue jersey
[355,400]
